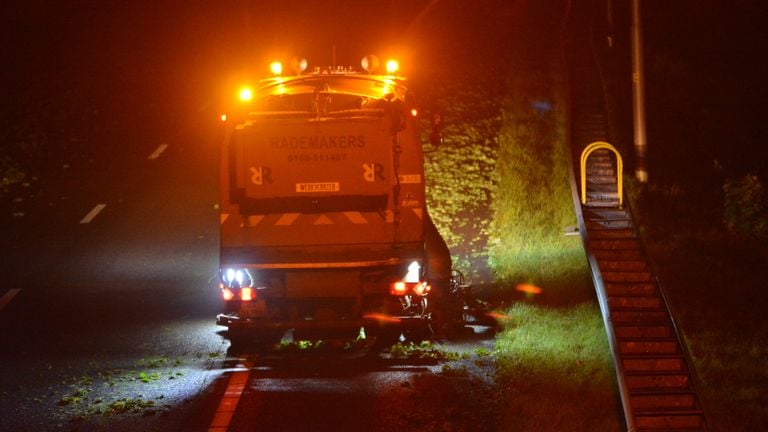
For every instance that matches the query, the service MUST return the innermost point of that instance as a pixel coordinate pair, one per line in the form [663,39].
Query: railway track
[655,380]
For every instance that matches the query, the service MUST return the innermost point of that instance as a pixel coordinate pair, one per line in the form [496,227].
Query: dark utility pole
[638,95]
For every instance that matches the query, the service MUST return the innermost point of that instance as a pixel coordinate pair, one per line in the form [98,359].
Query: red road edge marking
[226,409]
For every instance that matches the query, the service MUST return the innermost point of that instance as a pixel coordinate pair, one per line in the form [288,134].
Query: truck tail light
[398,288]
[401,288]
[227,294]
[422,288]
[247,294]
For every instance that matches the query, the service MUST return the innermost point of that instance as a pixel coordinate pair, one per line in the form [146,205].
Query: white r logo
[373,172]
[261,175]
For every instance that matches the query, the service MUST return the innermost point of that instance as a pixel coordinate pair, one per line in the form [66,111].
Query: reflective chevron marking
[254,220]
[353,217]
[356,218]
[323,220]
[287,219]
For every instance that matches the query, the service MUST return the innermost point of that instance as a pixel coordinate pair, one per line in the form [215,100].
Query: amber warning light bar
[369,63]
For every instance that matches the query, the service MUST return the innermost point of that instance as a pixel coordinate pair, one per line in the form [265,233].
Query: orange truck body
[323,207]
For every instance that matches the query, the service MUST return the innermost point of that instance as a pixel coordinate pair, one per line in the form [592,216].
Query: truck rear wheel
[448,315]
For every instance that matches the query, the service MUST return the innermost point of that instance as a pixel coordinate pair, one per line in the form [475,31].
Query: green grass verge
[532,201]
[714,286]
[459,173]
[710,254]
[554,364]
[556,370]
[499,192]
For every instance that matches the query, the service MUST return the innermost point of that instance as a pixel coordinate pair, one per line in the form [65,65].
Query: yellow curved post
[619,169]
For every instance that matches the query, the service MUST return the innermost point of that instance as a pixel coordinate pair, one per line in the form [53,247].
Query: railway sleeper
[599,161]
[636,316]
[654,364]
[600,156]
[627,276]
[595,189]
[622,265]
[618,255]
[607,214]
[690,421]
[614,244]
[645,382]
[669,400]
[646,347]
[614,234]
[611,233]
[603,203]
[600,171]
[593,196]
[635,302]
[598,224]
[639,331]
[601,179]
[631,289]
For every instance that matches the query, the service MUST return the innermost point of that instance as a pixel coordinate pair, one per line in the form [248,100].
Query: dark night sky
[188,46]
[705,74]
[706,82]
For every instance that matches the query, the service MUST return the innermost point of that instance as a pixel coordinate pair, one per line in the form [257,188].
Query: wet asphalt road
[108,263]
[111,298]
[108,323]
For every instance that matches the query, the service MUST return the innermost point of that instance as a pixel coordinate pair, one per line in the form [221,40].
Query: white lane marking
[93,213]
[8,297]
[158,152]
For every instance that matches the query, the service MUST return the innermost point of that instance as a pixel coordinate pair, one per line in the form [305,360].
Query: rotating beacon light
[298,65]
[276,68]
[392,66]
[370,63]
[245,94]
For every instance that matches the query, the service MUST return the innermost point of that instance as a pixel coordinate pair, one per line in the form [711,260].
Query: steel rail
[600,124]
